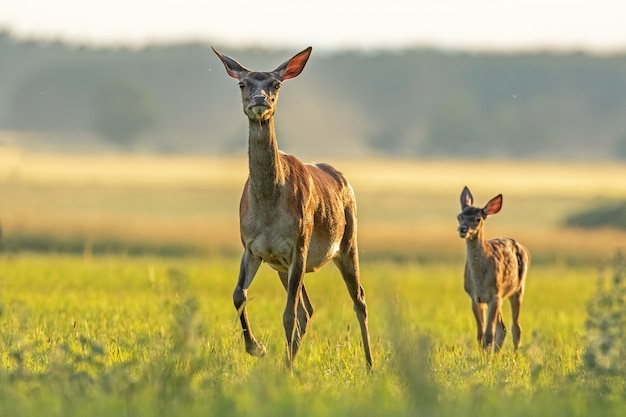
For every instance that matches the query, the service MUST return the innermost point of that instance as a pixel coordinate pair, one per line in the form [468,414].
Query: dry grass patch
[405,207]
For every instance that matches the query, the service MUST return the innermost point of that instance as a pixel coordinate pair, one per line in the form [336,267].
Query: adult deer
[494,271]
[295,217]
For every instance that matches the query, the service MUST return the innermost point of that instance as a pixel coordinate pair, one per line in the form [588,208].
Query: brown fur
[494,271]
[295,217]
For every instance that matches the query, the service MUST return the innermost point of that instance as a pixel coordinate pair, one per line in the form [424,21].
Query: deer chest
[480,285]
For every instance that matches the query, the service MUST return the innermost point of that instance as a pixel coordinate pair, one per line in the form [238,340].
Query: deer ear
[233,68]
[494,205]
[294,66]
[466,198]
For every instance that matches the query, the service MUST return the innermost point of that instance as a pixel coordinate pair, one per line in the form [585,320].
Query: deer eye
[478,218]
[242,84]
[277,85]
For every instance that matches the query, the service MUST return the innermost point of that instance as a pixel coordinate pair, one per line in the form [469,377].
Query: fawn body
[296,217]
[494,271]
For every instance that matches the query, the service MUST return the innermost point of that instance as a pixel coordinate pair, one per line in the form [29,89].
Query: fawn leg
[500,332]
[493,312]
[479,314]
[516,307]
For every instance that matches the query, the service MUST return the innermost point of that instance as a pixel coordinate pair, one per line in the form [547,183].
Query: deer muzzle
[259,105]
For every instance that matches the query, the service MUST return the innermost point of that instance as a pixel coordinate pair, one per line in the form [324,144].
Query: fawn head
[471,219]
[259,90]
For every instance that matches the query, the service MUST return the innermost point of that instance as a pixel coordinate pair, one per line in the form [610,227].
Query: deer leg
[500,332]
[493,311]
[291,320]
[516,307]
[305,308]
[479,315]
[308,307]
[348,265]
[249,266]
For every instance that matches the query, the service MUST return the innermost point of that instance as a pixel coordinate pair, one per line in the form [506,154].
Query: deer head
[471,219]
[259,90]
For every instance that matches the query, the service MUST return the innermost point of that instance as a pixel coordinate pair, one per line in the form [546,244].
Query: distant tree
[455,128]
[620,148]
[124,109]
[421,102]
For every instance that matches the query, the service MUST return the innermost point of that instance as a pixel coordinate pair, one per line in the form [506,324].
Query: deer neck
[264,162]
[476,247]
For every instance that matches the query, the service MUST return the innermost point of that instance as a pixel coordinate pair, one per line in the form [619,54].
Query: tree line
[412,102]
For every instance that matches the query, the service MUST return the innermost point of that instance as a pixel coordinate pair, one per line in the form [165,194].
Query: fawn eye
[241,84]
[277,85]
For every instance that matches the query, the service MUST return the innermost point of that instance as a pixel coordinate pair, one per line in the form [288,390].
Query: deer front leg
[479,315]
[249,266]
[493,313]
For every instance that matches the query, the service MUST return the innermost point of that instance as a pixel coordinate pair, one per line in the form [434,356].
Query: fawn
[494,271]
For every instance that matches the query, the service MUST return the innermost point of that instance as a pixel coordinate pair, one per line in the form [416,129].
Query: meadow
[117,273]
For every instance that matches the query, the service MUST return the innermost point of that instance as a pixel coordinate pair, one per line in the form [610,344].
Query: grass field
[117,273]
[153,336]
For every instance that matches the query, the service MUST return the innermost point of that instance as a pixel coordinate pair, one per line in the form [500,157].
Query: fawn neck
[476,247]
[264,162]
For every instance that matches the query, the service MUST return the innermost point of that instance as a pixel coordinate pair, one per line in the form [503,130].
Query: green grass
[148,336]
[119,323]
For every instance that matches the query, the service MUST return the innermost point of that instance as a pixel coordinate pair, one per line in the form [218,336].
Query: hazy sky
[331,24]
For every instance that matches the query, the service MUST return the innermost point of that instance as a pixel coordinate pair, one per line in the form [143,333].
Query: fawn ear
[294,66]
[466,198]
[233,68]
[494,205]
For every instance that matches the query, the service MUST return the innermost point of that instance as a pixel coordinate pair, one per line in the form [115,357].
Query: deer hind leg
[500,332]
[296,308]
[348,265]
[304,312]
[516,307]
[249,266]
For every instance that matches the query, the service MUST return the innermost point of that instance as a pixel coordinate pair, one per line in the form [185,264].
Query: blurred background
[119,124]
[514,79]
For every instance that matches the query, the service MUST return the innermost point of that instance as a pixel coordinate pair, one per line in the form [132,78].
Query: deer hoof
[256,349]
